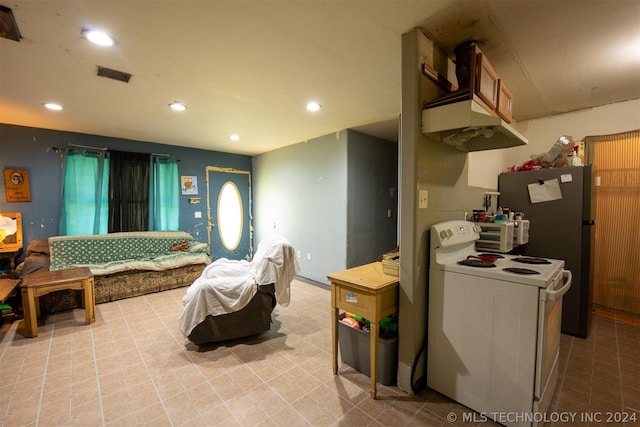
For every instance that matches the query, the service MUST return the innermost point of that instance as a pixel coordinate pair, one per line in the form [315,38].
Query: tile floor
[133,367]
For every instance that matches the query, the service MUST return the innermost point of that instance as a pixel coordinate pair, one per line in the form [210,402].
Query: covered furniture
[234,299]
[123,264]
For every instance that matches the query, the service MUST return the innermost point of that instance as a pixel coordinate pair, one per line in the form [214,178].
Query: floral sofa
[124,264]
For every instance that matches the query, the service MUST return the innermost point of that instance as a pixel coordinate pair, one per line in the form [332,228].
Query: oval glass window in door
[230,215]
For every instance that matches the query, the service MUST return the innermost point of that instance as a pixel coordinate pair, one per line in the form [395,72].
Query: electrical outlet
[197,214]
[299,255]
[309,256]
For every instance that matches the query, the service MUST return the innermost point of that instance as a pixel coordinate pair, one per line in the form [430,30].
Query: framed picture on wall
[189,184]
[16,185]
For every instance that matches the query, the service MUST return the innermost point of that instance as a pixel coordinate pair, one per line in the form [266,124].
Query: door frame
[210,224]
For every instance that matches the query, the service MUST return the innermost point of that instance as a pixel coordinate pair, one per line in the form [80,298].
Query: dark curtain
[128,191]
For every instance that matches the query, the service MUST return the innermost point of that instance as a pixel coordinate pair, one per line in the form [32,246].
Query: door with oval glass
[229,213]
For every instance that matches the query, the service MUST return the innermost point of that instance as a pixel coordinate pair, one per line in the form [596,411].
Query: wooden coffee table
[37,284]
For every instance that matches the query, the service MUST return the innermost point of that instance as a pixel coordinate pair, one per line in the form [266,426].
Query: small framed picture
[189,184]
[16,184]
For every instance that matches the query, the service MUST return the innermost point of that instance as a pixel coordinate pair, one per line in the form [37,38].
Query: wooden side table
[11,256]
[37,284]
[7,288]
[368,292]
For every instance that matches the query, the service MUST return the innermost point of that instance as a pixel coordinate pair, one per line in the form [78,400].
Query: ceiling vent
[113,74]
[8,26]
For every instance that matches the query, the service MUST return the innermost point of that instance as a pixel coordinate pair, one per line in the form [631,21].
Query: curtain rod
[58,149]
[86,146]
[164,155]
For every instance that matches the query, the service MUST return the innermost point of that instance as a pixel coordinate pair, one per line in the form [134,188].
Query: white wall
[484,166]
[604,120]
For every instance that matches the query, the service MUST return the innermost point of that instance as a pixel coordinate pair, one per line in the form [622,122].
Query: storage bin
[391,267]
[391,263]
[495,236]
[354,351]
[520,232]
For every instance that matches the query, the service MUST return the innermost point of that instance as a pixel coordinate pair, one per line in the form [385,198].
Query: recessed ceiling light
[98,37]
[313,106]
[634,49]
[52,106]
[177,106]
[234,137]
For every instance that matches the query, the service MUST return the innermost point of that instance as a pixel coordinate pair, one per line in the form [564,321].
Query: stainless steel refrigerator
[560,228]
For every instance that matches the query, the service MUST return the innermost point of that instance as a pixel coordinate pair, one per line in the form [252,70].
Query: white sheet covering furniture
[228,286]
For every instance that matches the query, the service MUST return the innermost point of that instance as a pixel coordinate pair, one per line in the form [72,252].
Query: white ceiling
[249,66]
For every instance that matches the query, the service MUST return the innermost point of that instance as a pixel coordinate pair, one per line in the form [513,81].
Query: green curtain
[85,191]
[164,194]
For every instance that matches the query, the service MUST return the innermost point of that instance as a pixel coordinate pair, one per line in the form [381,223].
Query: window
[128,191]
[141,193]
[230,215]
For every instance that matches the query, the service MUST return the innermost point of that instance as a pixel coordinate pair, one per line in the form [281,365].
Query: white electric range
[493,326]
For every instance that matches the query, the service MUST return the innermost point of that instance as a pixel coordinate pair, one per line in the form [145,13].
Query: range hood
[467,126]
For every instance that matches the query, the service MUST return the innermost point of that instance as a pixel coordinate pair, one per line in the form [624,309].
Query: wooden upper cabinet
[476,79]
[486,81]
[505,101]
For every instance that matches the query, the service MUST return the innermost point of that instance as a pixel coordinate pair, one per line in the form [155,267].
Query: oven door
[549,320]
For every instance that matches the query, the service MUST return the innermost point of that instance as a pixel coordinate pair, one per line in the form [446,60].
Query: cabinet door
[505,101]
[486,82]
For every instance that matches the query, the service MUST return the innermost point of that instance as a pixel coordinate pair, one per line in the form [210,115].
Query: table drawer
[368,305]
[356,301]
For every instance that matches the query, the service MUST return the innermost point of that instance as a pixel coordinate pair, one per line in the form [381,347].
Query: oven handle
[556,295]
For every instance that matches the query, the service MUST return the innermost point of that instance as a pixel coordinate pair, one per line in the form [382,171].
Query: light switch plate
[198,214]
[423,199]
